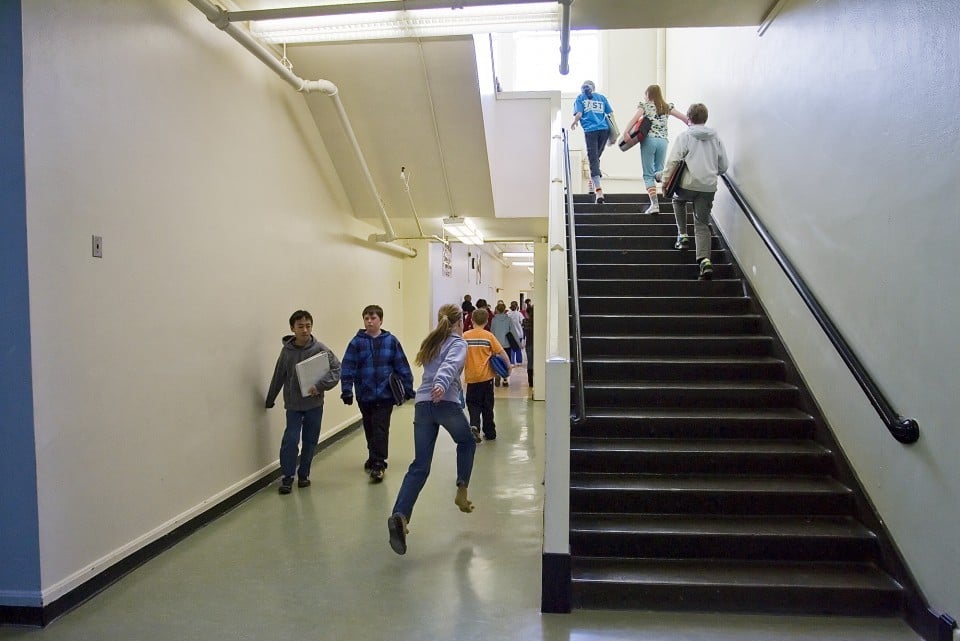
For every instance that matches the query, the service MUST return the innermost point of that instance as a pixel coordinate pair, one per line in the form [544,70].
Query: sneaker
[286,485]
[397,526]
[706,269]
[654,208]
[376,475]
[506,383]
[303,482]
[599,197]
[683,242]
[658,176]
[496,381]
[476,434]
[490,437]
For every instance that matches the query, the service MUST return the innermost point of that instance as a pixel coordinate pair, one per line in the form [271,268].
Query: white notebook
[311,370]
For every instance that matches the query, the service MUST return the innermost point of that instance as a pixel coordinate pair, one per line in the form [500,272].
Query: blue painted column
[19,527]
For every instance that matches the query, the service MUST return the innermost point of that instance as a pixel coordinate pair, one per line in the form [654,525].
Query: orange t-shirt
[481,345]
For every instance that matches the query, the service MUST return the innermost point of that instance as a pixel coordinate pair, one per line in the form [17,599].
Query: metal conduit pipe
[565,36]
[218,17]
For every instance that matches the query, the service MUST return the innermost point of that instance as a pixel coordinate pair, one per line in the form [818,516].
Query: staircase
[698,479]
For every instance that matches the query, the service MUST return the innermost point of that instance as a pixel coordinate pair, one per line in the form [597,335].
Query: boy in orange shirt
[478,375]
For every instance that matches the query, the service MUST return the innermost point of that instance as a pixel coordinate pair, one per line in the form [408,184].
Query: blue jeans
[307,423]
[653,151]
[427,419]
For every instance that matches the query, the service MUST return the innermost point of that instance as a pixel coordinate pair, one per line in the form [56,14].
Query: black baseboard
[41,616]
[556,578]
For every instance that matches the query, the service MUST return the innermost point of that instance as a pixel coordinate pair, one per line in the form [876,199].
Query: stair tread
[691,385]
[711,446]
[719,525]
[765,574]
[758,414]
[682,359]
[707,482]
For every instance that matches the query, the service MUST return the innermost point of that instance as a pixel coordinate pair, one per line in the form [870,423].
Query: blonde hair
[655,95]
[447,318]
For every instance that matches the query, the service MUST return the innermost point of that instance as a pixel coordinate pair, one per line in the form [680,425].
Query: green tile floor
[316,565]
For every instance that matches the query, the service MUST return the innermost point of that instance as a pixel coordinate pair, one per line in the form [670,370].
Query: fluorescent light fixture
[522,264]
[517,254]
[421,23]
[463,230]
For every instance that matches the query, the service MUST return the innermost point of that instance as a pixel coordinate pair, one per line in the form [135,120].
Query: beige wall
[840,127]
[220,214]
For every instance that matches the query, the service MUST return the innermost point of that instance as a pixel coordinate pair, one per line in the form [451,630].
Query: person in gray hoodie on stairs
[706,159]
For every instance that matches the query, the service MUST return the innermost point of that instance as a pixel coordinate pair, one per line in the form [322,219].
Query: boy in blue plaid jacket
[371,357]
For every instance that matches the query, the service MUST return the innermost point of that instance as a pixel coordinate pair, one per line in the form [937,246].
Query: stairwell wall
[221,213]
[840,124]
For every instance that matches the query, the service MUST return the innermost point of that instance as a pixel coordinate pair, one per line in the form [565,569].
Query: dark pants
[376,427]
[595,141]
[480,407]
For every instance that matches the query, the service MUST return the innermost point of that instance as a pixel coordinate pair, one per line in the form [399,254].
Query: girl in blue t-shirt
[590,109]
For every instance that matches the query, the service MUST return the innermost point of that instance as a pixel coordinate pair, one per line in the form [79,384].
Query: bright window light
[530,61]
[420,23]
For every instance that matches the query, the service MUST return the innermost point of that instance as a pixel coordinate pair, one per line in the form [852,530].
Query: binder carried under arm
[311,370]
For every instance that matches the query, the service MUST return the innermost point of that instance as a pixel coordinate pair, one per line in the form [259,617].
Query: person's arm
[678,151]
[676,113]
[722,162]
[637,116]
[577,112]
[450,367]
[402,367]
[348,372]
[276,383]
[332,377]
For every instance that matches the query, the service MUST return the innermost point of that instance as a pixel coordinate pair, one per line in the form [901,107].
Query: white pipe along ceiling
[219,17]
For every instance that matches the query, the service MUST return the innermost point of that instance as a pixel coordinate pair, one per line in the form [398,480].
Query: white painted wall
[221,214]
[840,123]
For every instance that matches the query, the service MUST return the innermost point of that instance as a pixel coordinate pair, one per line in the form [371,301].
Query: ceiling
[415,104]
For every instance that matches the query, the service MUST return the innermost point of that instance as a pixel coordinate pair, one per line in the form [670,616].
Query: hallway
[316,564]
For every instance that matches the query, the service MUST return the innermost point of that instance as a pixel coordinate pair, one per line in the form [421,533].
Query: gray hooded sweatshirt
[705,155]
[285,375]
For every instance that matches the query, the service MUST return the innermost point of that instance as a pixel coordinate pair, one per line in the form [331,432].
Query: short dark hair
[479,316]
[373,309]
[697,113]
[299,315]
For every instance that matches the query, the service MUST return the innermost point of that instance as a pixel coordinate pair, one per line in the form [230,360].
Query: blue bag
[500,368]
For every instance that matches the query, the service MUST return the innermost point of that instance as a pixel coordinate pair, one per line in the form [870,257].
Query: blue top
[445,370]
[368,363]
[594,110]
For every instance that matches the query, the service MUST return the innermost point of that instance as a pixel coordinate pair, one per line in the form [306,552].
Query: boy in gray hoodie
[706,159]
[304,412]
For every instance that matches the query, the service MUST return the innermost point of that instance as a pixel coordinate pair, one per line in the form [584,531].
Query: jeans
[376,427]
[596,141]
[305,425]
[427,419]
[480,405]
[702,206]
[653,151]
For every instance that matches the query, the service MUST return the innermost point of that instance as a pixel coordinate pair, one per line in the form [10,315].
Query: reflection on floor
[317,565]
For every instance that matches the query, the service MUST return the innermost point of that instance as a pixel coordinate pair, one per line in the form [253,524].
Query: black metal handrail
[905,430]
[577,416]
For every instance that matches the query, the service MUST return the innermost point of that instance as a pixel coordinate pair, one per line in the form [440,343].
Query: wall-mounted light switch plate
[98,246]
